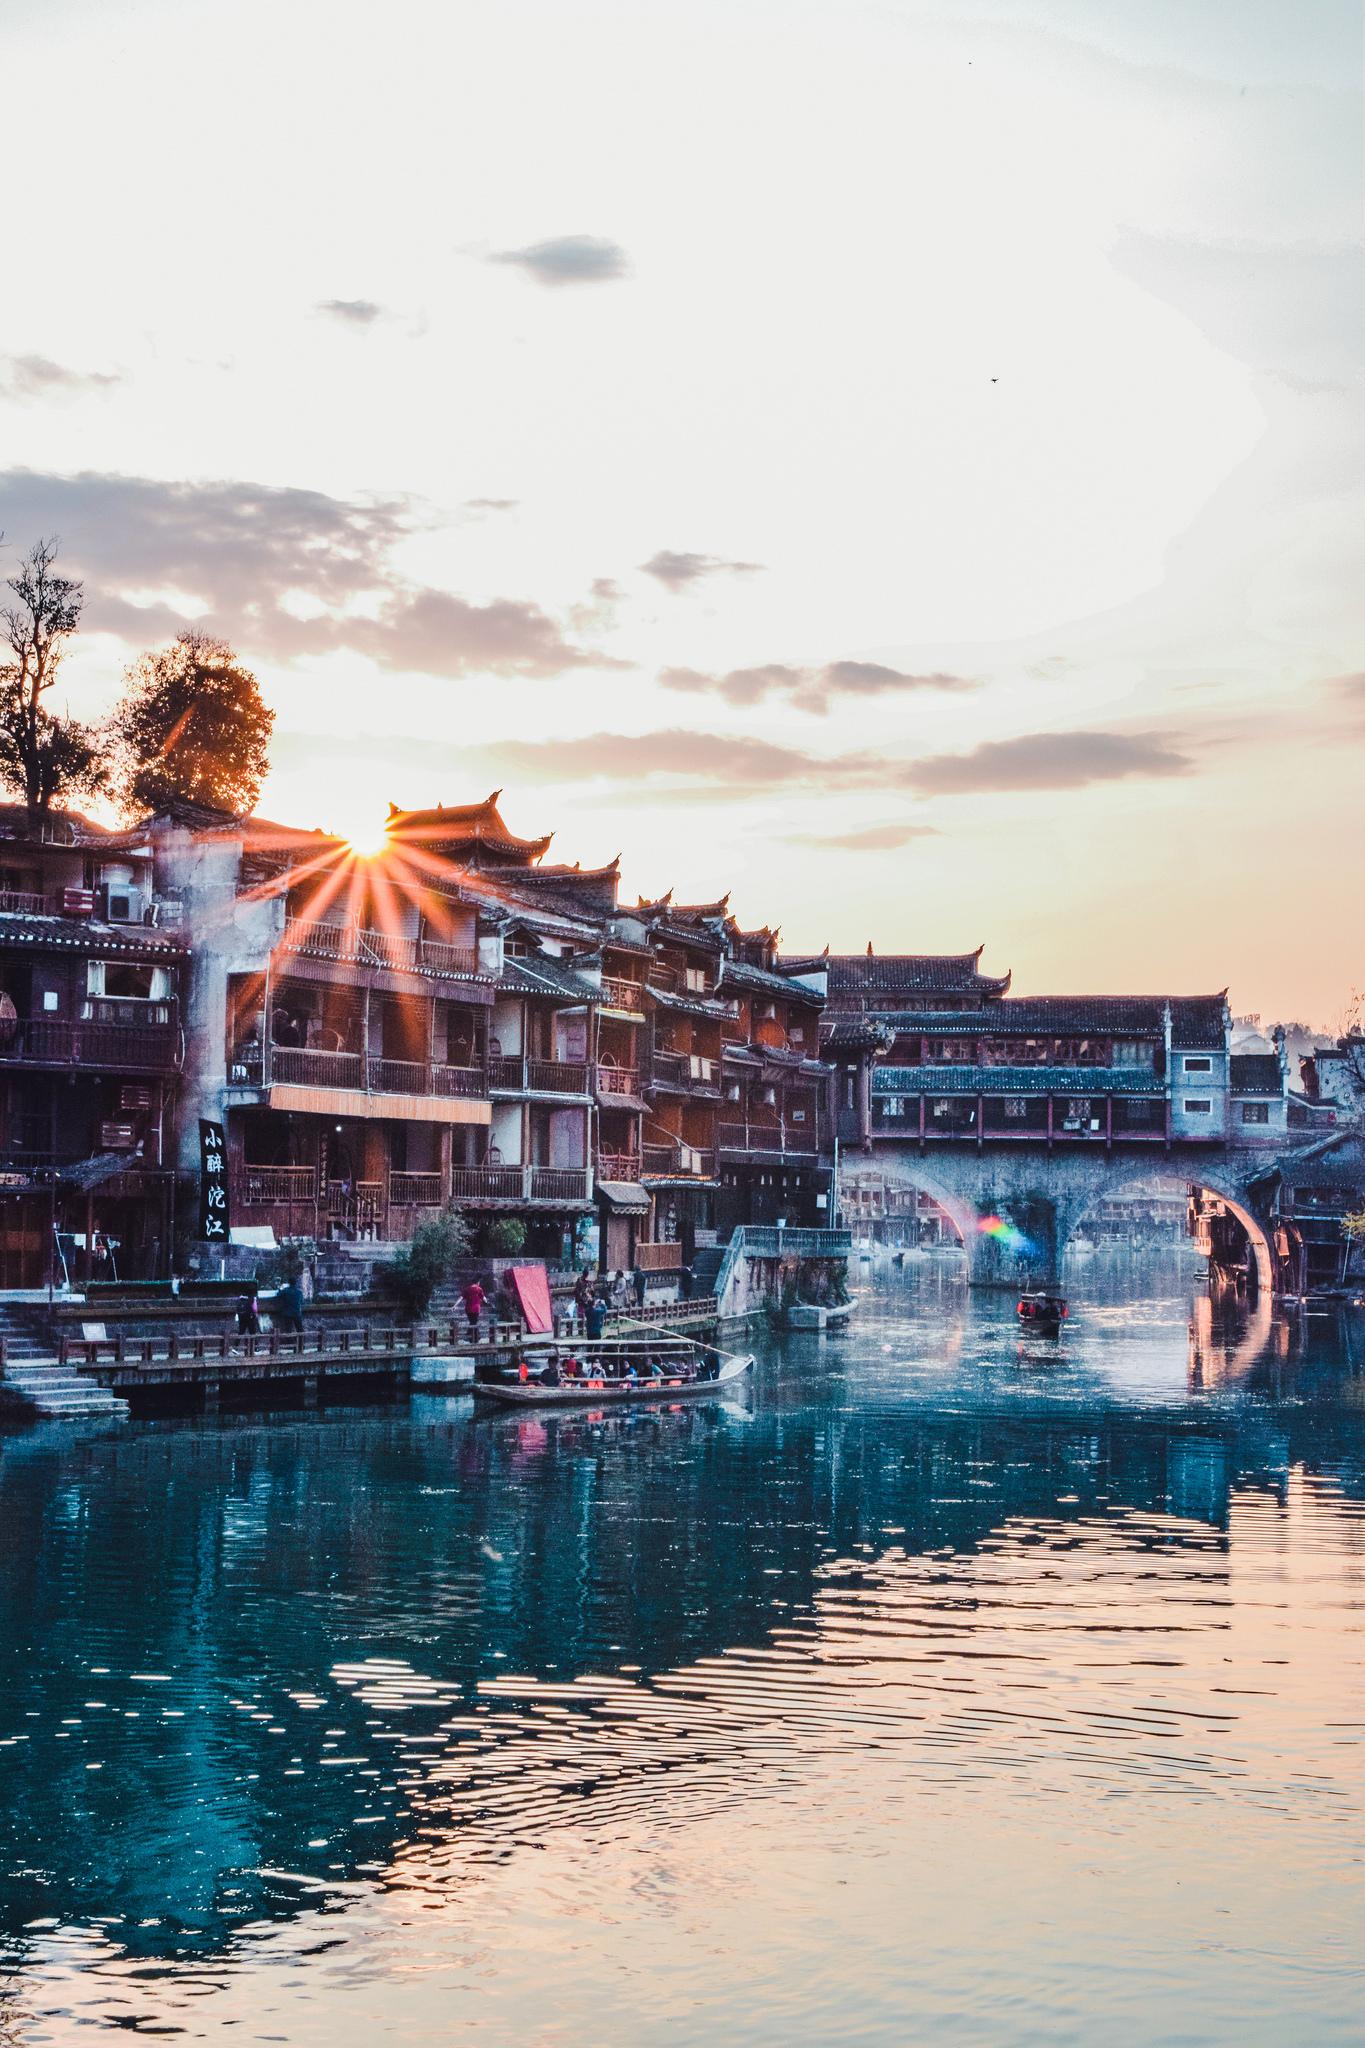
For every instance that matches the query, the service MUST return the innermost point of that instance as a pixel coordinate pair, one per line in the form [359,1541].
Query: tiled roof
[739,974]
[465,825]
[1196,1021]
[544,976]
[898,974]
[696,1006]
[1254,1073]
[88,935]
[858,1034]
[1014,1081]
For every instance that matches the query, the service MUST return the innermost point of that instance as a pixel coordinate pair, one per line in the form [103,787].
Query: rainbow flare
[1007,1234]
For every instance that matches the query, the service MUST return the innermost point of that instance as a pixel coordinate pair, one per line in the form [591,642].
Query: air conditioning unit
[120,904]
[117,1137]
[78,903]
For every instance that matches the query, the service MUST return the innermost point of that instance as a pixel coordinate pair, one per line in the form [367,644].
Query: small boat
[599,1375]
[1040,1310]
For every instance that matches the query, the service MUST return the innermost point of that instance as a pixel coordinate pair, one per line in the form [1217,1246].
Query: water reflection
[263,1673]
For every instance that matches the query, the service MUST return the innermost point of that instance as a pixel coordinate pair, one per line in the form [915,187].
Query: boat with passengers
[611,1371]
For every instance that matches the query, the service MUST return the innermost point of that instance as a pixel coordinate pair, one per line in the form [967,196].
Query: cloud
[1047,760]
[864,838]
[678,571]
[808,689]
[25,377]
[351,312]
[750,766]
[569,259]
[281,572]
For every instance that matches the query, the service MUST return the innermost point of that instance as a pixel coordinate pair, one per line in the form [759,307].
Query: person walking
[473,1298]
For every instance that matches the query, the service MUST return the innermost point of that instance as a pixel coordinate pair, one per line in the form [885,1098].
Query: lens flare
[366,836]
[1007,1234]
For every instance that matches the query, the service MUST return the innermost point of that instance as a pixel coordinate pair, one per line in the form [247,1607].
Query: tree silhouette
[191,727]
[43,757]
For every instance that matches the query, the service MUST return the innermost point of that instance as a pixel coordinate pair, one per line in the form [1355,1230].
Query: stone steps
[59,1390]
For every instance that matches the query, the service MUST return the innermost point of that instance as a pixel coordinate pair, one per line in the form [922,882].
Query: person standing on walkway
[289,1306]
[473,1299]
[597,1316]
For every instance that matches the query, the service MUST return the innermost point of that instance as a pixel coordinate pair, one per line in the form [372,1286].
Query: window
[797,1034]
[1016,1106]
[1255,1112]
[893,1105]
[1198,1066]
[694,979]
[128,978]
[1198,1105]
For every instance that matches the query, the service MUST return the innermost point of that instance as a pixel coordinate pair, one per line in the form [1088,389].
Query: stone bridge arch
[1016,1207]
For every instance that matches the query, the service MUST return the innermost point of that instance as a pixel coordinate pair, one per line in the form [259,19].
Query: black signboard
[213,1183]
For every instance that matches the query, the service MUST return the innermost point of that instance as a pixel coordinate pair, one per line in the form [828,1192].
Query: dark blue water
[945,1686]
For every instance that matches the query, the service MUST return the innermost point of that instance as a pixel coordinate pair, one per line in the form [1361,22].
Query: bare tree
[43,756]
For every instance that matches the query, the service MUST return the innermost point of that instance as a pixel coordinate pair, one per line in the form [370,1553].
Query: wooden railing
[415,1190]
[678,1161]
[146,1048]
[311,1067]
[23,902]
[521,1184]
[617,1080]
[511,1071]
[369,948]
[621,994]
[260,1187]
[658,1258]
[619,1166]
[775,1137]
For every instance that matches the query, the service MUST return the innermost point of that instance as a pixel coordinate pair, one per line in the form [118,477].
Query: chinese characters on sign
[213,1184]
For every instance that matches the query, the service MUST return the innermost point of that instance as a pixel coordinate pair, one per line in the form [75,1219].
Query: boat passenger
[549,1374]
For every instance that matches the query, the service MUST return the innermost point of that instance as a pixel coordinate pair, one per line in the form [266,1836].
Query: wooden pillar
[89,1236]
[446,1140]
[1108,1123]
[1049,1123]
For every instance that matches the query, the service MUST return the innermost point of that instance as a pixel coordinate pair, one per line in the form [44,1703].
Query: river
[947,1685]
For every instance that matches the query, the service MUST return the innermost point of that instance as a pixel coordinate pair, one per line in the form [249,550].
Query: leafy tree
[438,1245]
[507,1236]
[192,725]
[45,758]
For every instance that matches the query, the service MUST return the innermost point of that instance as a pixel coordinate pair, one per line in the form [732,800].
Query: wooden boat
[682,1378]
[1040,1310]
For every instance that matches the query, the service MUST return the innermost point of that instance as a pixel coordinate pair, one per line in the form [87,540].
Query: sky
[899,463]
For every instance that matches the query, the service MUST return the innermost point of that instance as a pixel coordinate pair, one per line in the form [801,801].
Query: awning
[626,1196]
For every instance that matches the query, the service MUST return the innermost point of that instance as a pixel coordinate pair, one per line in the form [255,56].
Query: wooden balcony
[618,1080]
[620,994]
[619,1166]
[658,1258]
[358,945]
[23,902]
[677,1162]
[513,1074]
[98,1046]
[310,1067]
[415,1191]
[556,1186]
[691,1072]
[801,1140]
